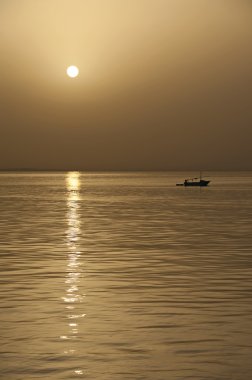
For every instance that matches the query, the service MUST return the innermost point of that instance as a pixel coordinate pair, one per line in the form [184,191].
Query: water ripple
[125,276]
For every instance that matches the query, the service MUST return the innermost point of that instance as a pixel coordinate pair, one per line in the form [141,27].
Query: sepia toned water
[124,276]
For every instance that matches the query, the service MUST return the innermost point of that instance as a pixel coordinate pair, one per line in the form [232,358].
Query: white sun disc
[72,71]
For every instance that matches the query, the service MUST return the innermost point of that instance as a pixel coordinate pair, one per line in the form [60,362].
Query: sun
[72,71]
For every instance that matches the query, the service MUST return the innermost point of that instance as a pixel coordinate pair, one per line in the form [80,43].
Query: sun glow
[72,71]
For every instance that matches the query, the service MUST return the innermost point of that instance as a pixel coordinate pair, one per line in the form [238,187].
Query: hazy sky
[163,84]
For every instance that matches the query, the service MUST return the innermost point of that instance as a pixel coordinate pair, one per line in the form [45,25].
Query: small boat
[194,182]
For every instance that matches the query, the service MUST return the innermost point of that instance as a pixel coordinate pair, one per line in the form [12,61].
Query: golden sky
[163,84]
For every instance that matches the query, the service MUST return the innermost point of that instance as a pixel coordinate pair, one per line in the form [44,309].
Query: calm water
[112,276]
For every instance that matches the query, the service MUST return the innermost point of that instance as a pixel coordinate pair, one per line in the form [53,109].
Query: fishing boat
[194,182]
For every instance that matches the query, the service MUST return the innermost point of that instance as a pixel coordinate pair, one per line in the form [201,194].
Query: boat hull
[196,183]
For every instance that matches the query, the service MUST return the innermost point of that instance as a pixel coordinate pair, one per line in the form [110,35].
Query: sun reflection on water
[73,295]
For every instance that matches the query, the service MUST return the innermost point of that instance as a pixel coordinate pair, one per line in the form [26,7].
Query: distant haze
[163,84]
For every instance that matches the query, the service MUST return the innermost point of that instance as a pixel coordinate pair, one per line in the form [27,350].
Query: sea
[125,276]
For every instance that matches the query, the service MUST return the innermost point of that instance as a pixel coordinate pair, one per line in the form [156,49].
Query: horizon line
[119,170]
